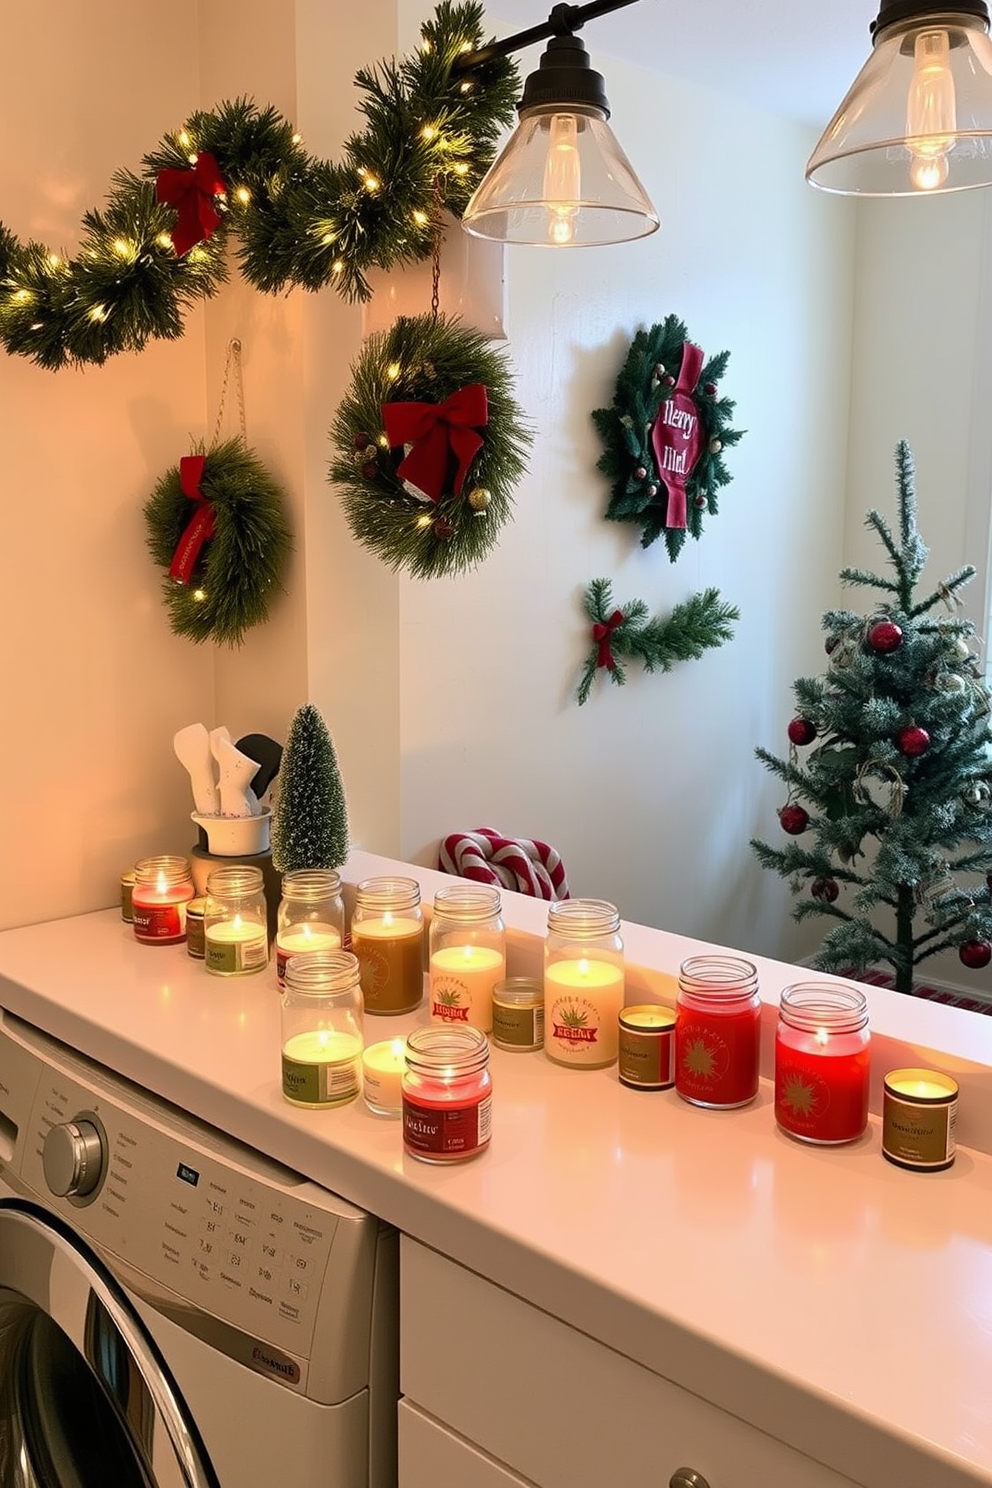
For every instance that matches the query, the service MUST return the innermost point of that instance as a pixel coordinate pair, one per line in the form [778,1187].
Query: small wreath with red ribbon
[217,524]
[665,434]
[629,632]
[429,444]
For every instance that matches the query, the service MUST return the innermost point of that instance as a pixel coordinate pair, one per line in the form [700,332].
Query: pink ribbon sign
[677,439]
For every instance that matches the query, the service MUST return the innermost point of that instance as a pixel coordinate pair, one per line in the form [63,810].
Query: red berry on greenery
[802,731]
[709,387]
[826,889]
[884,637]
[370,470]
[794,819]
[975,954]
[699,501]
[360,441]
[443,530]
[640,472]
[913,741]
[669,380]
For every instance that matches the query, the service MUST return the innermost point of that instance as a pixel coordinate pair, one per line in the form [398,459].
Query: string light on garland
[628,632]
[158,244]
[429,444]
[665,435]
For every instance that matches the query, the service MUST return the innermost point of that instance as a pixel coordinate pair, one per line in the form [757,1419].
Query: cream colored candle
[462,979]
[321,1068]
[236,947]
[390,954]
[582,1001]
[299,939]
[382,1074]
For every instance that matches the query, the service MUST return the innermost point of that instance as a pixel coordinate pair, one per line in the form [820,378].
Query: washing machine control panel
[191,1215]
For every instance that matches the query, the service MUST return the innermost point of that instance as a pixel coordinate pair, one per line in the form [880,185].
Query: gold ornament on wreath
[429,444]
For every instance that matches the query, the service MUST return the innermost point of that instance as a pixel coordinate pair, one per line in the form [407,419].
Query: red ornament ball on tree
[884,637]
[826,889]
[794,819]
[913,741]
[975,954]
[802,731]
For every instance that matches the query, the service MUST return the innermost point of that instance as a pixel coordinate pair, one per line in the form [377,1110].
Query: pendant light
[918,117]
[562,181]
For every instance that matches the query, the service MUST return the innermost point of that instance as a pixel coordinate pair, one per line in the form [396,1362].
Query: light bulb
[931,113]
[562,179]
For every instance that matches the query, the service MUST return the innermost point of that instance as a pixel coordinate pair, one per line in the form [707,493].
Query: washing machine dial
[73,1157]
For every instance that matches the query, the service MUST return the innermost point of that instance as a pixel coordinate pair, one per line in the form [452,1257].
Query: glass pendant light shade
[918,117]
[562,180]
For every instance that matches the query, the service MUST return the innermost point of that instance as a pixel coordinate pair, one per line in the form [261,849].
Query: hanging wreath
[429,445]
[664,436]
[157,246]
[627,632]
[217,525]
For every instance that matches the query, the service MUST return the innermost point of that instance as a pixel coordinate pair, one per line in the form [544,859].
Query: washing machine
[175,1308]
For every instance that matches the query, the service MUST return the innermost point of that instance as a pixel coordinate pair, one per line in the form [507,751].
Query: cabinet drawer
[559,1408]
[431,1456]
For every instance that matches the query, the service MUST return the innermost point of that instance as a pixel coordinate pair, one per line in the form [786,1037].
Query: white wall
[651,791]
[452,702]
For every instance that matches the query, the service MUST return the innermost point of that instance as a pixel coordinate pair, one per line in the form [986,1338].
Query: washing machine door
[86,1400]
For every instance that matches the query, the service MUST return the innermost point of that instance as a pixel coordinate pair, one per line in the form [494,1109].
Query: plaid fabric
[946,995]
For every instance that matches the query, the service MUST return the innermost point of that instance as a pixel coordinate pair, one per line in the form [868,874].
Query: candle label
[518,1027]
[824,1098]
[196,939]
[577,1033]
[392,971]
[716,1058]
[159,924]
[236,957]
[916,1136]
[127,894]
[451,1131]
[450,1000]
[324,1084]
[647,1058]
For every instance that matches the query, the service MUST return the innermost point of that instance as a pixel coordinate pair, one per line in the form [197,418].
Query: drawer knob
[687,1477]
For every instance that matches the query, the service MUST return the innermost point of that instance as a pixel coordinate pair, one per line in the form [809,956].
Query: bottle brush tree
[310,827]
[889,772]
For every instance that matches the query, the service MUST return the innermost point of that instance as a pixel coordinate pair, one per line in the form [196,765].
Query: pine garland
[624,632]
[426,359]
[310,827]
[897,792]
[645,383]
[299,220]
[239,568]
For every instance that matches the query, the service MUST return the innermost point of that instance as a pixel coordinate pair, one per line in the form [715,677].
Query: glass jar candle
[383,1065]
[717,1032]
[646,1058]
[518,1014]
[447,1093]
[583,983]
[162,889]
[467,954]
[235,927]
[310,915]
[322,1041]
[387,936]
[822,1062]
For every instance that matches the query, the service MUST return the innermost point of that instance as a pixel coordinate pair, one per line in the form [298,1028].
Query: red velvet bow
[192,193]
[202,524]
[437,430]
[601,632]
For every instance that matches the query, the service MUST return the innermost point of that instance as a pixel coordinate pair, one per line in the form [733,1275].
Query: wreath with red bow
[429,444]
[664,436]
[217,524]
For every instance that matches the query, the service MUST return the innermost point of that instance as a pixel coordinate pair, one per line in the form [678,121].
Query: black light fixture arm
[564,20]
[890,11]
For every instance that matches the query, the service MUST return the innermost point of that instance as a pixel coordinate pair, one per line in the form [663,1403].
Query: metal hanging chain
[232,361]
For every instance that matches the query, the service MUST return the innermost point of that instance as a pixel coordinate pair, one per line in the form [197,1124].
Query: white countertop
[780,1282]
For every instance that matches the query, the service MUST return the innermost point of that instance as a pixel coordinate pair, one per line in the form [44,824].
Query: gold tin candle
[919,1114]
[127,889]
[518,1014]
[647,1047]
[196,941]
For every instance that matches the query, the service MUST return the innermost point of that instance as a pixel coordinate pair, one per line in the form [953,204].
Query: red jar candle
[447,1094]
[822,1062]
[717,1020]
[162,889]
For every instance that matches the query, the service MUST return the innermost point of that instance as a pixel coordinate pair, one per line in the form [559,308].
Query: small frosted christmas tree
[897,820]
[310,829]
